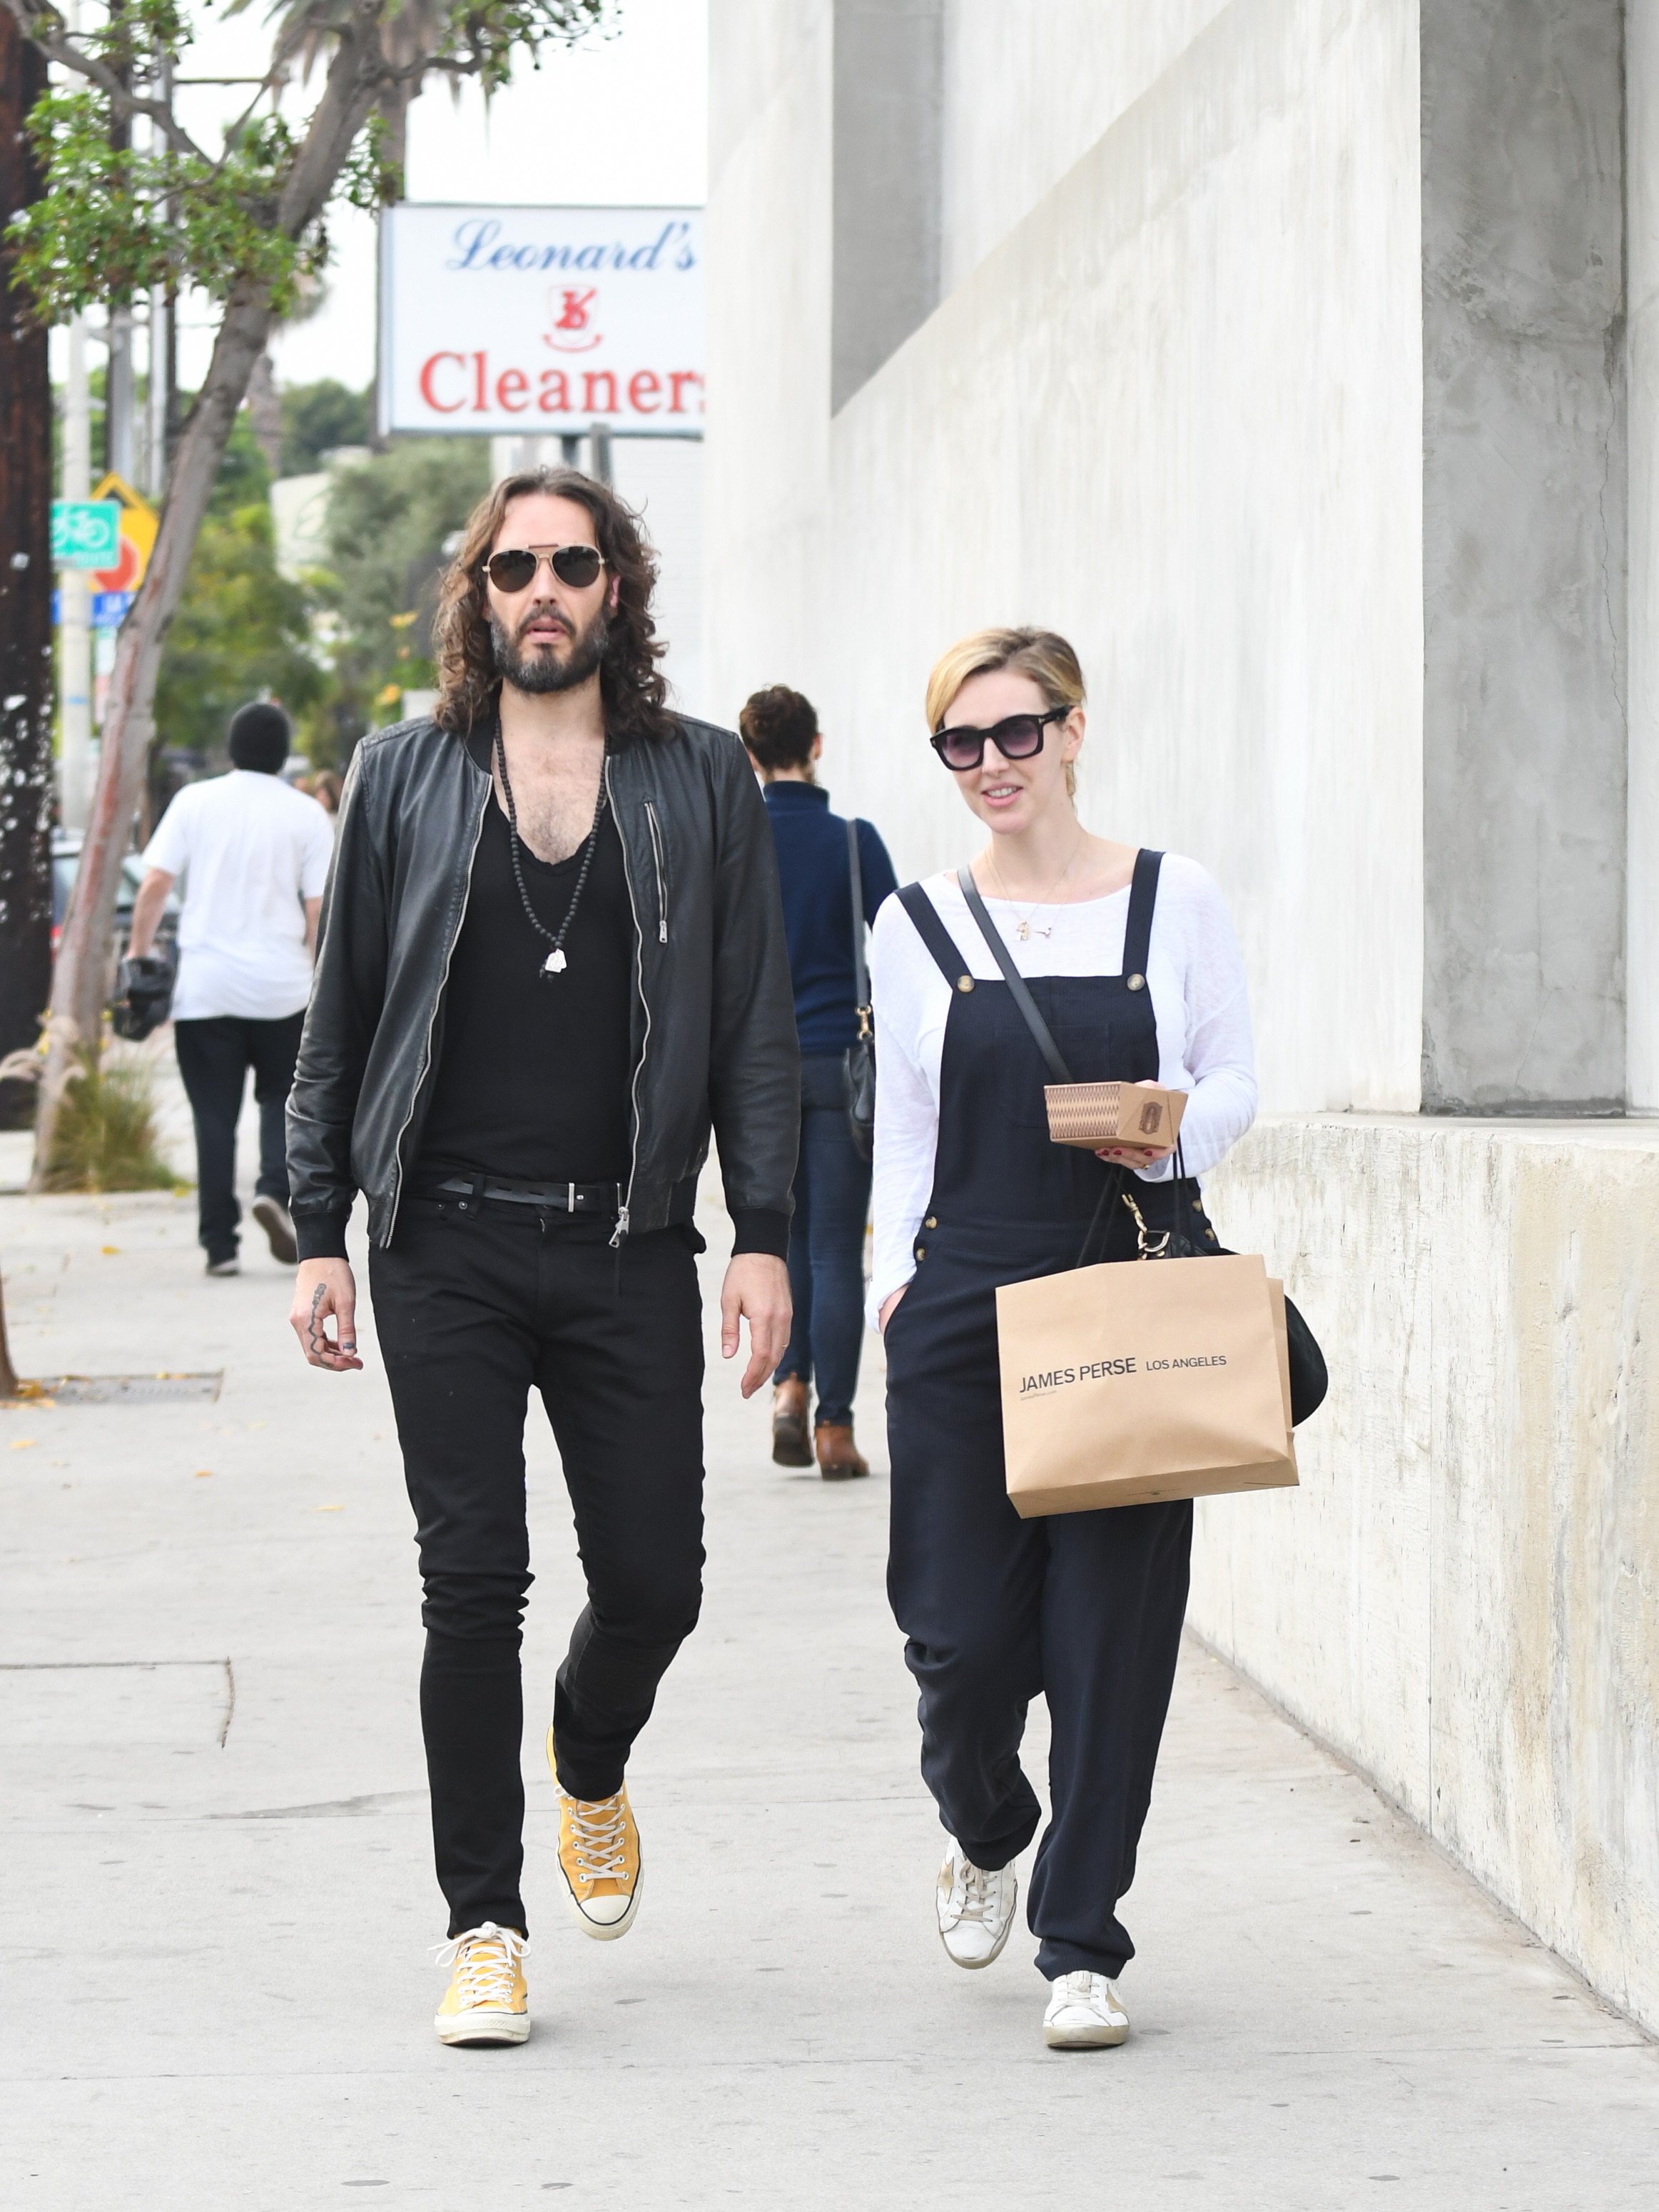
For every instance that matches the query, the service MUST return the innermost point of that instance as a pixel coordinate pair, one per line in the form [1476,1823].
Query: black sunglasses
[1017,738]
[575,565]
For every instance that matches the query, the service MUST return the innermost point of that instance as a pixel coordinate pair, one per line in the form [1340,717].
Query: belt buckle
[570,1198]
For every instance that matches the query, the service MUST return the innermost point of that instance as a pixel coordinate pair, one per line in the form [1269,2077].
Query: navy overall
[1084,1609]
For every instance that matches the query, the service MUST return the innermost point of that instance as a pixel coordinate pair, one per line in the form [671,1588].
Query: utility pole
[117,395]
[25,597]
[75,766]
[156,397]
[117,379]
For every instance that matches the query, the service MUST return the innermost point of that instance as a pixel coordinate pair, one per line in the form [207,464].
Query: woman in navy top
[832,1181]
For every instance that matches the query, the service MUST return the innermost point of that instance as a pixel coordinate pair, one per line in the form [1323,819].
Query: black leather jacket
[714,1018]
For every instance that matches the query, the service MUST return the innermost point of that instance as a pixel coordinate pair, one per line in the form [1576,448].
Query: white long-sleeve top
[1199,1001]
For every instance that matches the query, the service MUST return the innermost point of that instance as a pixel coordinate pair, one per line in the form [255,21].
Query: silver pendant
[555,964]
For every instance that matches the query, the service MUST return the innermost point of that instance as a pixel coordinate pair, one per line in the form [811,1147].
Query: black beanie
[259,735]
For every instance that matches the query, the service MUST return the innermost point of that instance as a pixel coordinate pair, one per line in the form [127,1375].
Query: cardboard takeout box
[1141,1117]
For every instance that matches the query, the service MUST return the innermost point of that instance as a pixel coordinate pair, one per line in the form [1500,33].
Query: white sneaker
[975,1909]
[1084,2014]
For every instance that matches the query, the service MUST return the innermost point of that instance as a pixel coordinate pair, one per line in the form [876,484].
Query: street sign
[139,523]
[541,320]
[109,609]
[86,533]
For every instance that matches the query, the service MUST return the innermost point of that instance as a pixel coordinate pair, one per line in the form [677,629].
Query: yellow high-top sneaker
[599,1859]
[487,2000]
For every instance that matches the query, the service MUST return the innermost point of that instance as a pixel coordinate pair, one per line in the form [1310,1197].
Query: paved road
[217,1991]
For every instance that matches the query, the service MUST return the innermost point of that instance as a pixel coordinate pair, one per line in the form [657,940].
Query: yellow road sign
[139,523]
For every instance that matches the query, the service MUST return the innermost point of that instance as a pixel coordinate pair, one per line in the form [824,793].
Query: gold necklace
[1024,926]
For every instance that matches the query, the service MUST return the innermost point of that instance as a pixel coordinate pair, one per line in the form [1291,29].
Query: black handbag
[860,1060]
[1310,1378]
[143,995]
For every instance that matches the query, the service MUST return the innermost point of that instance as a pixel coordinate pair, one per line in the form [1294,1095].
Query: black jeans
[471,1312]
[826,1243]
[214,1058]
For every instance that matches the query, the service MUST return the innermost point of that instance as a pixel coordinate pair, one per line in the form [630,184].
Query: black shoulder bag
[1309,1378]
[861,1056]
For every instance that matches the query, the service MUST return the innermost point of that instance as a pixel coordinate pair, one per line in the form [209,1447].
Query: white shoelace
[1083,1988]
[485,1960]
[974,1892]
[600,1831]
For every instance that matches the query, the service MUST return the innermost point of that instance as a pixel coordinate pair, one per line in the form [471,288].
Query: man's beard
[542,670]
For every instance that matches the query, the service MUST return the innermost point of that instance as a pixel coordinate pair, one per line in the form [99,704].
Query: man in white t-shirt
[254,856]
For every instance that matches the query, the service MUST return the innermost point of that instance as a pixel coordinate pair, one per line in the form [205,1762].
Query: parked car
[66,861]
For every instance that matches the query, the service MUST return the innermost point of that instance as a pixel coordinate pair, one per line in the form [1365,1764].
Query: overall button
[1137,983]
[922,1251]
[932,1222]
[964,982]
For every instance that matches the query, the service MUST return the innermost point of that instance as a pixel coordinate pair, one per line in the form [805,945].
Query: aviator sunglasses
[1017,738]
[575,565]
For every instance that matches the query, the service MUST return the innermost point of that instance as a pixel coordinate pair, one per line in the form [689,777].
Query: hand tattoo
[315,1336]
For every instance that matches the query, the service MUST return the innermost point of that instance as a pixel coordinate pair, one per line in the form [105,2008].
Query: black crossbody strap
[861,971]
[1016,982]
[1138,929]
[935,936]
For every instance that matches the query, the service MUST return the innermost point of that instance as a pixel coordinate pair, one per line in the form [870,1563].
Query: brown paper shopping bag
[1136,1381]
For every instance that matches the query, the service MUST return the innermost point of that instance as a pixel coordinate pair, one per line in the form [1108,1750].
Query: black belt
[551,1197]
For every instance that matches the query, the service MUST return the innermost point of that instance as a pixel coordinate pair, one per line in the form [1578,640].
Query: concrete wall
[769,421]
[1176,412]
[1523,562]
[1641,938]
[884,273]
[1028,91]
[1459,1596]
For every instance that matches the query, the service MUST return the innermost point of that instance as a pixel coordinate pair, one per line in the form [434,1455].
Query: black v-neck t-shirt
[533,1071]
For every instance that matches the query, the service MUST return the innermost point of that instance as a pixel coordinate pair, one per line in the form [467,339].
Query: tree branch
[33,20]
[439,65]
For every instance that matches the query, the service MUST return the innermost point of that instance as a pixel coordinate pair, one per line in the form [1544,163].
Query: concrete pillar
[1524,557]
[889,75]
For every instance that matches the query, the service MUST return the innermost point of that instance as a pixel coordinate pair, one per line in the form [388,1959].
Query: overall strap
[1138,930]
[936,937]
[860,973]
[1016,982]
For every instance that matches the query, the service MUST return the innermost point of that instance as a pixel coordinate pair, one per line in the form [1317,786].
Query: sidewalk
[217,1989]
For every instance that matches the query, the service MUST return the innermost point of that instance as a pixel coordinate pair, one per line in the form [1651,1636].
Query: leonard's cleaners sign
[541,320]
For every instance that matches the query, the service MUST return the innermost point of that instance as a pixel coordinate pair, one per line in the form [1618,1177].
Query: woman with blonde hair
[1131,962]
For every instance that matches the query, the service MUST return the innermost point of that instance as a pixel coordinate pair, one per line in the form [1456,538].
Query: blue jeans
[826,1243]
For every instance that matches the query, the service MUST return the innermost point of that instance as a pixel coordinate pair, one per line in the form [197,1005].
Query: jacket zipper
[645,1041]
[662,877]
[426,1060]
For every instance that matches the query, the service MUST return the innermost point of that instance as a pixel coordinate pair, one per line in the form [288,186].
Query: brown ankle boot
[789,1445]
[838,1455]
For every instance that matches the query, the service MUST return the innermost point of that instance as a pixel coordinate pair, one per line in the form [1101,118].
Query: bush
[105,1135]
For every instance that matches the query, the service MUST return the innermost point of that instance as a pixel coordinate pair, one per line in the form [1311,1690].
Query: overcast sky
[619,120]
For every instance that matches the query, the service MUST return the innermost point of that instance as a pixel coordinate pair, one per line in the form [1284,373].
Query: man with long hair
[552,953]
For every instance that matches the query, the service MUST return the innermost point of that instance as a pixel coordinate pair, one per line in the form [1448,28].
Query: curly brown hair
[631,684]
